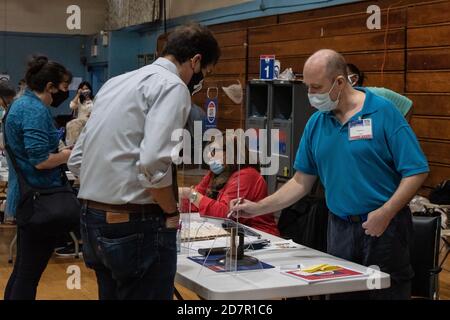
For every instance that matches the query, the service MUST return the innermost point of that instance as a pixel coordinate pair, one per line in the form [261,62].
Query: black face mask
[59,98]
[195,85]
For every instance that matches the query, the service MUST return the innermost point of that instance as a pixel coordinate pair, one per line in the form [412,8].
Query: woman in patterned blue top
[33,139]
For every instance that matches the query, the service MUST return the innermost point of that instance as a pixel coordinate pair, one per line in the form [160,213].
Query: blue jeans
[135,260]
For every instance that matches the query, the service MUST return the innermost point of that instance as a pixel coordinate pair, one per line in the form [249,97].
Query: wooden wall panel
[415,59]
[429,14]
[428,81]
[244,24]
[429,59]
[391,80]
[226,67]
[323,28]
[344,10]
[232,38]
[235,52]
[367,61]
[436,151]
[427,127]
[438,173]
[430,36]
[346,43]
[431,104]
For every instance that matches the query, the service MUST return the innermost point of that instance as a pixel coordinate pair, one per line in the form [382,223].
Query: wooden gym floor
[53,282]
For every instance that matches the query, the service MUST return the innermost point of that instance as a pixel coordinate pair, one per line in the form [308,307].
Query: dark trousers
[33,253]
[390,252]
[135,260]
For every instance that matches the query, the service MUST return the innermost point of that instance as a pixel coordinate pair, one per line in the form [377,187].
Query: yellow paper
[320,268]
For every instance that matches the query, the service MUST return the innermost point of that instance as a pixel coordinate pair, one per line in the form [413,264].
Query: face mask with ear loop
[59,98]
[322,101]
[235,92]
[196,83]
[354,83]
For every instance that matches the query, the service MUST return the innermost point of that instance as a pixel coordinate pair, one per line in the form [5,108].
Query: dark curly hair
[42,71]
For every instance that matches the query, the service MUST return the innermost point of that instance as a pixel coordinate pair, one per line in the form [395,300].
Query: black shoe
[68,251]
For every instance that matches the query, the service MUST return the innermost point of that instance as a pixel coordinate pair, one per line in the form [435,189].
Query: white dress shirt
[125,147]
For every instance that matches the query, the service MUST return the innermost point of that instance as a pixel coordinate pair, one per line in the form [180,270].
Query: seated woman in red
[211,197]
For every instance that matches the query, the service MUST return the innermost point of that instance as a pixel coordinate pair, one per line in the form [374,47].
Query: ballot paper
[197,231]
[219,242]
[287,244]
[323,272]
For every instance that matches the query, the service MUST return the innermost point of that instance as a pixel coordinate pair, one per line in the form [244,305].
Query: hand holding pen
[247,209]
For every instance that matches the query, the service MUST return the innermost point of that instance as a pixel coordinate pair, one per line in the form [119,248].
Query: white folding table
[271,283]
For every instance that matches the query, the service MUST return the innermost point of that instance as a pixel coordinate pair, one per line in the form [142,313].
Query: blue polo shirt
[362,175]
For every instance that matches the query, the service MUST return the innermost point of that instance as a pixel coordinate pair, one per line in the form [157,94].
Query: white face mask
[235,92]
[322,101]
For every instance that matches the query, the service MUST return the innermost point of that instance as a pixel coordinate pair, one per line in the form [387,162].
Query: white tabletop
[270,283]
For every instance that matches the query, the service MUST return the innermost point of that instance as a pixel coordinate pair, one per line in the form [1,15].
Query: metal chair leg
[77,245]
[11,248]
[445,258]
[178,294]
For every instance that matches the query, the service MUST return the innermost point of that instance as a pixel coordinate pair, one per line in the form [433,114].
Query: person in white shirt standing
[82,106]
[123,158]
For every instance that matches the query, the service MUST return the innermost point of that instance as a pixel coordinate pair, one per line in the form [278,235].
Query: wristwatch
[194,196]
[173,214]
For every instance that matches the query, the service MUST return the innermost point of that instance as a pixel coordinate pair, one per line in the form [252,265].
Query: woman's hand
[54,160]
[75,101]
[66,153]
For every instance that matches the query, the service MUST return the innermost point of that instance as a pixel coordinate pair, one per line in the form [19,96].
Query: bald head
[329,61]
[326,72]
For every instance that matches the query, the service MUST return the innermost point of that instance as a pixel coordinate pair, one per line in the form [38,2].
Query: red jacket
[252,186]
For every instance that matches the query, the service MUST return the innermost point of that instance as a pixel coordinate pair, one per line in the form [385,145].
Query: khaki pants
[74,129]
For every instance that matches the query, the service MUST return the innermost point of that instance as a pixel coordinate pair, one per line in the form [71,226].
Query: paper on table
[323,272]
[287,244]
[217,243]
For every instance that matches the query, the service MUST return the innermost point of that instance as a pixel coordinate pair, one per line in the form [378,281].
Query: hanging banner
[211,106]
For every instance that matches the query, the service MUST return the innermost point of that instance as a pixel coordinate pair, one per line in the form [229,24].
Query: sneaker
[68,251]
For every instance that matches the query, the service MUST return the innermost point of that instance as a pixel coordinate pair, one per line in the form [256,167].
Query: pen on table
[292,267]
[232,211]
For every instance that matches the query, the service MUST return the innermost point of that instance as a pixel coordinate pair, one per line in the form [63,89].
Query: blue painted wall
[21,46]
[123,51]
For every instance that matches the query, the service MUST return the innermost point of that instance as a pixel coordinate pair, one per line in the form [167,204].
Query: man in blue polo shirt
[371,165]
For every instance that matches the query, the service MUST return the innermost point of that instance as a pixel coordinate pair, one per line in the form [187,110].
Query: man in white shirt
[123,158]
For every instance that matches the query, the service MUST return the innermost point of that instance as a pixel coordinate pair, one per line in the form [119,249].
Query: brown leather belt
[124,208]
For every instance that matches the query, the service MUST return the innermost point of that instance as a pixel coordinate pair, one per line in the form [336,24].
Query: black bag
[441,194]
[51,211]
[306,223]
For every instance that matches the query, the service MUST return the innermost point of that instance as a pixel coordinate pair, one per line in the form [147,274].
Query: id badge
[360,130]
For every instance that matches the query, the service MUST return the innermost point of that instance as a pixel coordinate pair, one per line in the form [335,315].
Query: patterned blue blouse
[32,136]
